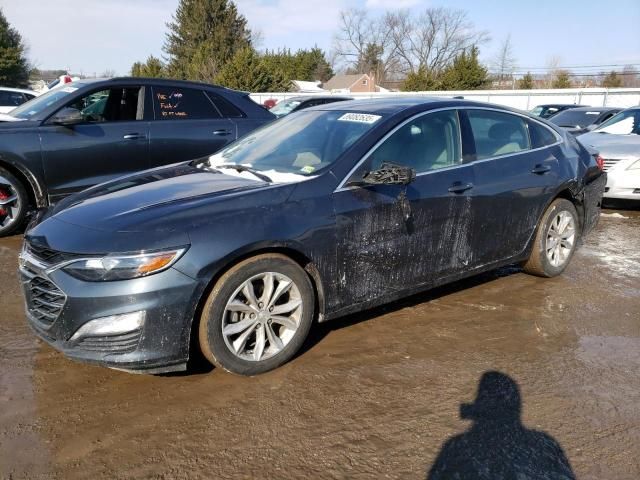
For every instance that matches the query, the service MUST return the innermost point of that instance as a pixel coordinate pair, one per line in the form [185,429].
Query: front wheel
[257,315]
[556,240]
[14,203]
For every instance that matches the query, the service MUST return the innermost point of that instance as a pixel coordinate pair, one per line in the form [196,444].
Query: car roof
[594,109]
[148,81]
[395,104]
[19,90]
[547,105]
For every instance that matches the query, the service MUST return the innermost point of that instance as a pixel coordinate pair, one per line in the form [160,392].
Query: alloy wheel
[262,316]
[560,238]
[9,203]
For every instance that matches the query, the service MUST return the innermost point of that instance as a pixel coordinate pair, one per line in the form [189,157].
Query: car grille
[123,343]
[45,300]
[610,162]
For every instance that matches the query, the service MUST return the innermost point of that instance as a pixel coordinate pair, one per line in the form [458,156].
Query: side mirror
[390,174]
[67,116]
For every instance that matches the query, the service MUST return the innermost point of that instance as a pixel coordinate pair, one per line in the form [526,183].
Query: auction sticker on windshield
[359,118]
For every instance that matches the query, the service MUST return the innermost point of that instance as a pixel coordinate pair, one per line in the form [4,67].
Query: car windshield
[302,143]
[624,123]
[283,108]
[573,118]
[38,104]
[537,111]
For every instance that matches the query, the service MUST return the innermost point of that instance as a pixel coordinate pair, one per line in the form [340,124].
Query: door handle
[541,169]
[222,132]
[459,187]
[134,136]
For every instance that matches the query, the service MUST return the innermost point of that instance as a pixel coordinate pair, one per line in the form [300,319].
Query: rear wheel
[14,203]
[556,240]
[258,315]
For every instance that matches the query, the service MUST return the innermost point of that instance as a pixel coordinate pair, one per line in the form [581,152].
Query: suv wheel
[258,315]
[14,203]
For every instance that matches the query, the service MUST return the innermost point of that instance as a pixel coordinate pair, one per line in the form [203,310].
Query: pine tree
[153,68]
[248,71]
[526,82]
[562,80]
[465,73]
[14,68]
[203,36]
[612,80]
[420,81]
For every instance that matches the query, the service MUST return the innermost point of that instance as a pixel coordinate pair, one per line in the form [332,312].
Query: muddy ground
[372,396]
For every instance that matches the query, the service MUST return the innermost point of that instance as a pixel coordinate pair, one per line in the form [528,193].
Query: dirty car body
[474,197]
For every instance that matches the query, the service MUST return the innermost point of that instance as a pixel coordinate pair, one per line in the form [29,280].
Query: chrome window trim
[557,136]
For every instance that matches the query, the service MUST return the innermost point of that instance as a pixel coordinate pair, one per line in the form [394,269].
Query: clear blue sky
[96,35]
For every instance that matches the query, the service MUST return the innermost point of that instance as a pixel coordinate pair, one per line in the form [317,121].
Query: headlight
[635,165]
[123,267]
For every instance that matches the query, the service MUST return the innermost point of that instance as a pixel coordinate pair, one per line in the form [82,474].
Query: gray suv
[89,132]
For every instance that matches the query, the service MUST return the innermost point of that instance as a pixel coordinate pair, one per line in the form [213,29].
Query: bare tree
[364,45]
[432,39]
[630,76]
[553,70]
[504,63]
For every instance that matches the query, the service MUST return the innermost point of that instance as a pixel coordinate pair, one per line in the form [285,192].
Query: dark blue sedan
[325,212]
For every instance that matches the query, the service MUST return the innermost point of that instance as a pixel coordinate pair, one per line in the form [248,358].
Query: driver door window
[426,143]
[111,105]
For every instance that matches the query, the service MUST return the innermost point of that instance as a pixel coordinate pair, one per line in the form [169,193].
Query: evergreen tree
[526,82]
[465,73]
[14,68]
[153,68]
[612,80]
[420,81]
[250,72]
[203,36]
[562,80]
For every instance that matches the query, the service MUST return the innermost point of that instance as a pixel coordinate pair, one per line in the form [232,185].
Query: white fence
[523,99]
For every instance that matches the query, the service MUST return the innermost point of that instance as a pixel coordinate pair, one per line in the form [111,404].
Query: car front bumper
[58,305]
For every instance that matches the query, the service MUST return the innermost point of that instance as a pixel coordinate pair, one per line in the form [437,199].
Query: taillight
[600,162]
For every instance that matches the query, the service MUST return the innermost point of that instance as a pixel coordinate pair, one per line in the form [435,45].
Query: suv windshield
[36,105]
[301,144]
[624,123]
[573,118]
[283,108]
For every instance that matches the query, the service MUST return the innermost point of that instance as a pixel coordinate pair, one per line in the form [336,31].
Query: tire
[229,308]
[547,258]
[12,215]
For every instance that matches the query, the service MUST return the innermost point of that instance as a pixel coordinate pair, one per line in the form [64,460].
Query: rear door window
[497,133]
[171,103]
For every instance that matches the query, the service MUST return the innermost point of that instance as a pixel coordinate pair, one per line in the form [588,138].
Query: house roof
[339,82]
[306,87]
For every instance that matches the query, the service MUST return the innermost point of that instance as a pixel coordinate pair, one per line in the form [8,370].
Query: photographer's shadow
[497,445]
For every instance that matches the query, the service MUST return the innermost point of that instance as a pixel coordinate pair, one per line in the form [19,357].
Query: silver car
[618,141]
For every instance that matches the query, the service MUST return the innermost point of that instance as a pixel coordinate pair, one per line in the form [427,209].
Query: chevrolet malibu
[325,212]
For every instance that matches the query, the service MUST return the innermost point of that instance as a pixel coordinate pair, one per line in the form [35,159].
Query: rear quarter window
[226,108]
[171,103]
[540,136]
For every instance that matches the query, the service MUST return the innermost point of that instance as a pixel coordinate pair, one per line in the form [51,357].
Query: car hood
[610,145]
[154,200]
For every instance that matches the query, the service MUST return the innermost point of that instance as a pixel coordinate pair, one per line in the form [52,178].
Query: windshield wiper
[244,168]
